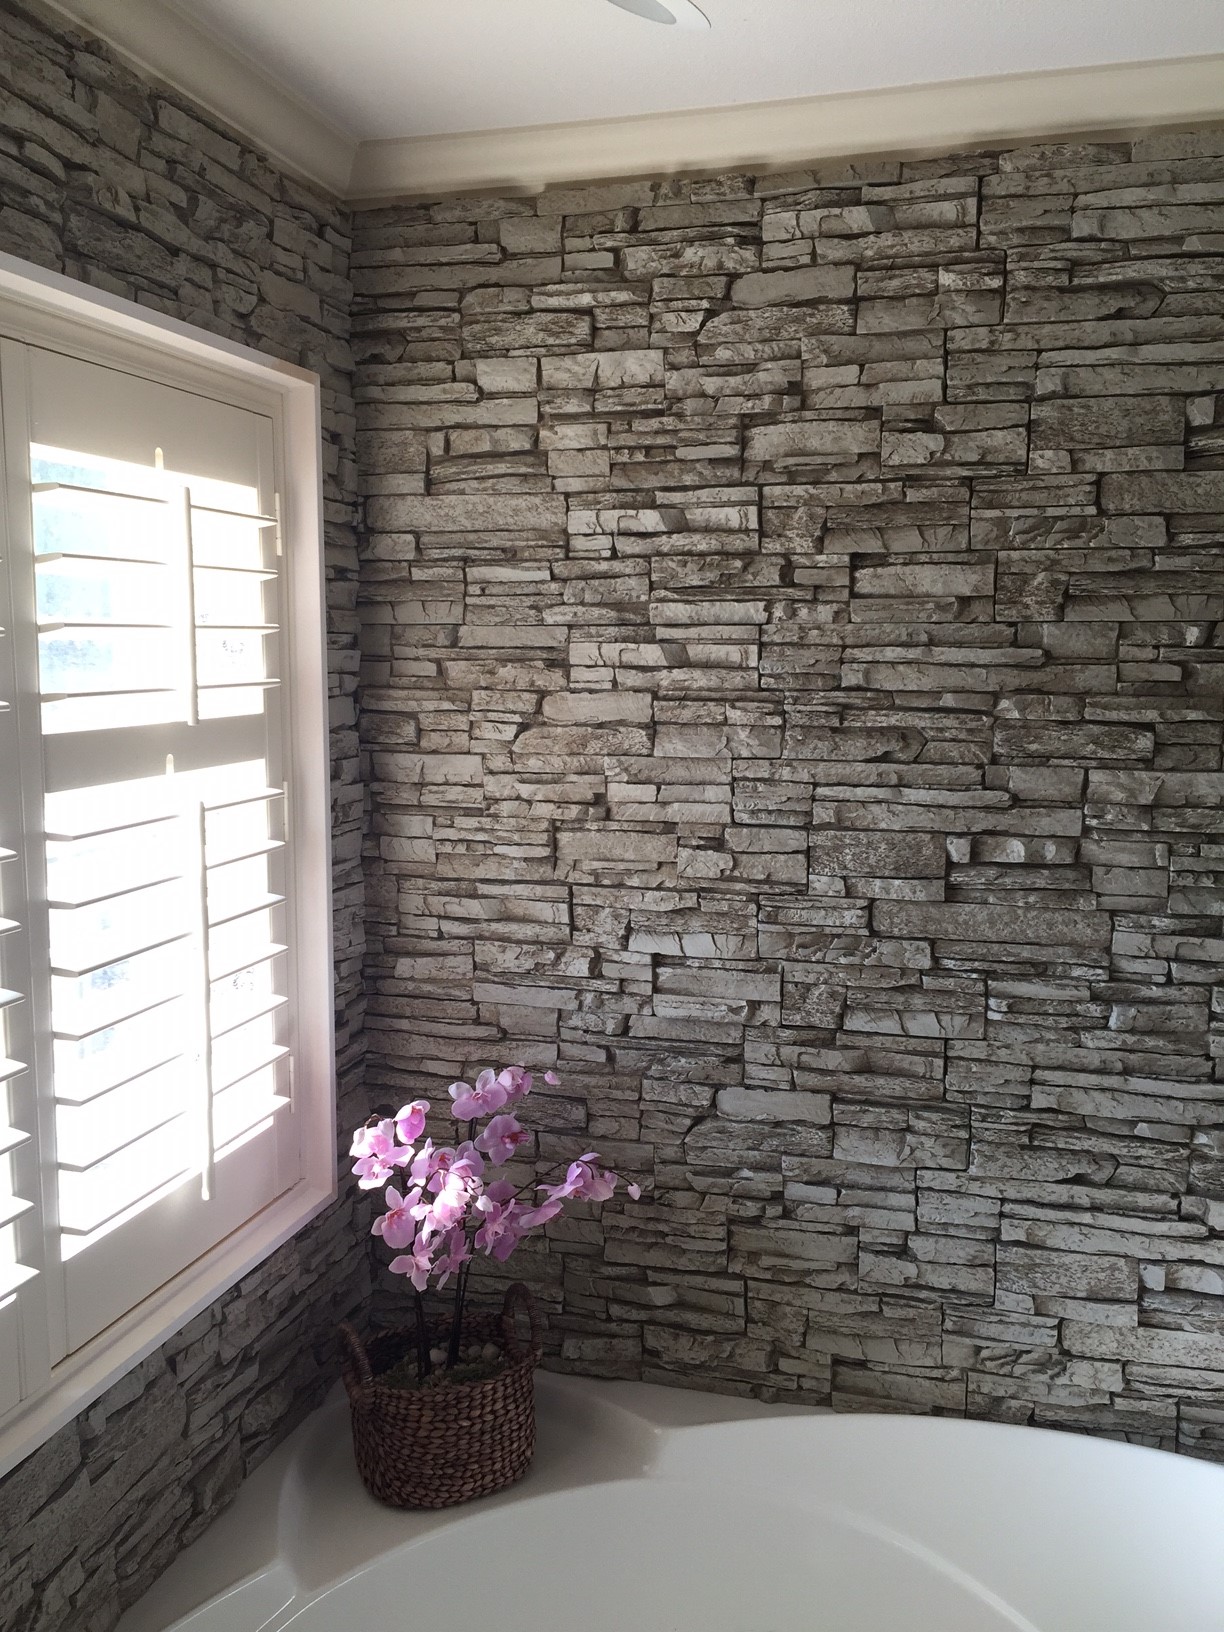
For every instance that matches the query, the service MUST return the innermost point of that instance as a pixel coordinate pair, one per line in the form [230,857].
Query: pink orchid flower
[448,1206]
[424,1164]
[465,1164]
[532,1217]
[599,1183]
[583,1182]
[416,1265]
[556,1195]
[410,1121]
[516,1082]
[397,1226]
[377,1154]
[573,1186]
[501,1138]
[500,1232]
[486,1097]
[551,1078]
[455,1253]
[423,1214]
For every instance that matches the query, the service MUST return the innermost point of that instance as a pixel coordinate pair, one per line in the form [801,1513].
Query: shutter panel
[23,1355]
[156,583]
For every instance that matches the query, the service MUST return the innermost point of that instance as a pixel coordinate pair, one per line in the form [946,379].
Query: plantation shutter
[152,569]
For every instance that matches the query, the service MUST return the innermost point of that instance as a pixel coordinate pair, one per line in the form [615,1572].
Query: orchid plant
[443,1203]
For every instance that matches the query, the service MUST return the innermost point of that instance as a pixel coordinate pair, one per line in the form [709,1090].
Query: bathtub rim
[279,1534]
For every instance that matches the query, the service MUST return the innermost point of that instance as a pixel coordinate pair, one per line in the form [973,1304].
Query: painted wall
[792,701]
[115,183]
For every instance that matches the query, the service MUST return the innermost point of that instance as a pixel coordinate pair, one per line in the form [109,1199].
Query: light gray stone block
[807,283]
[1191,491]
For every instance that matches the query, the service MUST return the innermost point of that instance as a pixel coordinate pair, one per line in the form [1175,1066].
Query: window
[166,1076]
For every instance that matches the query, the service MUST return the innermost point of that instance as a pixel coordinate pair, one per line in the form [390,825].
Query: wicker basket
[435,1447]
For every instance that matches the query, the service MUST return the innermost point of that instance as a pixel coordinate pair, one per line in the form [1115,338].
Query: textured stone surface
[792,700]
[792,705]
[132,191]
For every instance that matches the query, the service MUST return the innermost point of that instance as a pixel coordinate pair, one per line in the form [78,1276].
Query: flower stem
[533,1183]
[456,1331]
[424,1364]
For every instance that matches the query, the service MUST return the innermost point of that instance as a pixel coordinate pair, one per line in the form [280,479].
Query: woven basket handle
[355,1357]
[519,1297]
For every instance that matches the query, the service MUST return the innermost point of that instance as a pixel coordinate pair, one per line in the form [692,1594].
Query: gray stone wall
[793,708]
[792,698]
[131,190]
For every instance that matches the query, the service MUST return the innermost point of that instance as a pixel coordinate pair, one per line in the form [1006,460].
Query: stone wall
[793,696]
[131,190]
[793,708]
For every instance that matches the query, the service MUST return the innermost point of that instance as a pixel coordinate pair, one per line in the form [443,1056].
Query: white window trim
[52,310]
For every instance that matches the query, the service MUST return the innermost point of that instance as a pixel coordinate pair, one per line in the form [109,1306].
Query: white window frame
[42,308]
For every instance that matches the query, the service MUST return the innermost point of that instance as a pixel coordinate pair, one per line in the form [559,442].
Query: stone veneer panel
[128,188]
[792,699]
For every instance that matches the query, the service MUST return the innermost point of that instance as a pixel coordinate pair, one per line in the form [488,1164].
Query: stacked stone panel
[792,706]
[130,189]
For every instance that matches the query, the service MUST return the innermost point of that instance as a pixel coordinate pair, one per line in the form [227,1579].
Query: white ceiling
[382,69]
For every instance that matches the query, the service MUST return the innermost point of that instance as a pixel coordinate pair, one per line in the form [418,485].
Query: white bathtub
[657,1510]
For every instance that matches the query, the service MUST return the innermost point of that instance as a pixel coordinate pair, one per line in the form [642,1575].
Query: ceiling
[387,98]
[391,68]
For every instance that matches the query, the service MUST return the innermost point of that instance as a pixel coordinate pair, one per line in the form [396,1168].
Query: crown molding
[163,43]
[1116,99]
